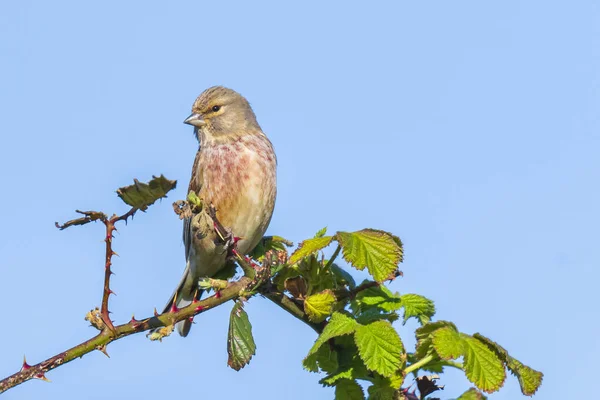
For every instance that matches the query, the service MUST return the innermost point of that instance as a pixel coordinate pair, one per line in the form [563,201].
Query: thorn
[111,292]
[218,294]
[191,319]
[155,312]
[199,309]
[134,322]
[236,239]
[25,366]
[114,253]
[174,308]
[102,349]
[42,377]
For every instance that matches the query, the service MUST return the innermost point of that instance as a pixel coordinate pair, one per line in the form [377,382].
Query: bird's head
[220,112]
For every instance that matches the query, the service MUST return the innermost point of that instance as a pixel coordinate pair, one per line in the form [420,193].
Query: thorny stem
[110,229]
[105,337]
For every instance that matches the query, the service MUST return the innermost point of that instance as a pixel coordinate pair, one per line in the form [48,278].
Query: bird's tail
[184,295]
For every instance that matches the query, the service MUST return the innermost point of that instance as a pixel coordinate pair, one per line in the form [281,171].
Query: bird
[234,171]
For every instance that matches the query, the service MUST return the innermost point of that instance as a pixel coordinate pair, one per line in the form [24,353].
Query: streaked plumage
[235,170]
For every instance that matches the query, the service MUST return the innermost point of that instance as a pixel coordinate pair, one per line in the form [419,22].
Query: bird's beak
[195,120]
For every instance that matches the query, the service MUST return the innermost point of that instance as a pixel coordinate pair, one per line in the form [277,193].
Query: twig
[333,257]
[134,326]
[282,300]
[110,229]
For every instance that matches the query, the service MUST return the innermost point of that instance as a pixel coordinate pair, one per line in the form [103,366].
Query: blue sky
[468,128]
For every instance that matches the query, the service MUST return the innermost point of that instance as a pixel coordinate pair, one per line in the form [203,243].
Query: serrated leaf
[308,247]
[321,232]
[240,343]
[379,297]
[472,394]
[424,336]
[339,324]
[529,379]
[342,276]
[381,392]
[318,306]
[347,389]
[325,359]
[482,366]
[350,364]
[448,343]
[378,251]
[374,314]
[380,347]
[269,243]
[418,307]
[141,195]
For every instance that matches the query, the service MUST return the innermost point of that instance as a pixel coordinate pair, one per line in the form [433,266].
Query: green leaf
[381,391]
[374,314]
[240,343]
[529,379]
[482,366]
[141,195]
[424,337]
[325,359]
[376,250]
[380,347]
[472,394]
[318,306]
[227,272]
[418,307]
[309,247]
[448,343]
[347,389]
[342,276]
[194,200]
[321,232]
[379,297]
[269,243]
[339,324]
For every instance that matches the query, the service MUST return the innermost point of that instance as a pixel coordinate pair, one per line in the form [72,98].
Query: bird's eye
[216,108]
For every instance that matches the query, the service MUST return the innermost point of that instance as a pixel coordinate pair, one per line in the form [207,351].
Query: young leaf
[529,379]
[424,337]
[380,347]
[417,306]
[482,366]
[448,343]
[318,306]
[376,250]
[472,394]
[240,343]
[269,243]
[141,195]
[379,297]
[321,232]
[339,324]
[342,276]
[308,247]
[347,389]
[381,391]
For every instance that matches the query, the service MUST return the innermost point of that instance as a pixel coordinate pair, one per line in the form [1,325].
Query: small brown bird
[235,171]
